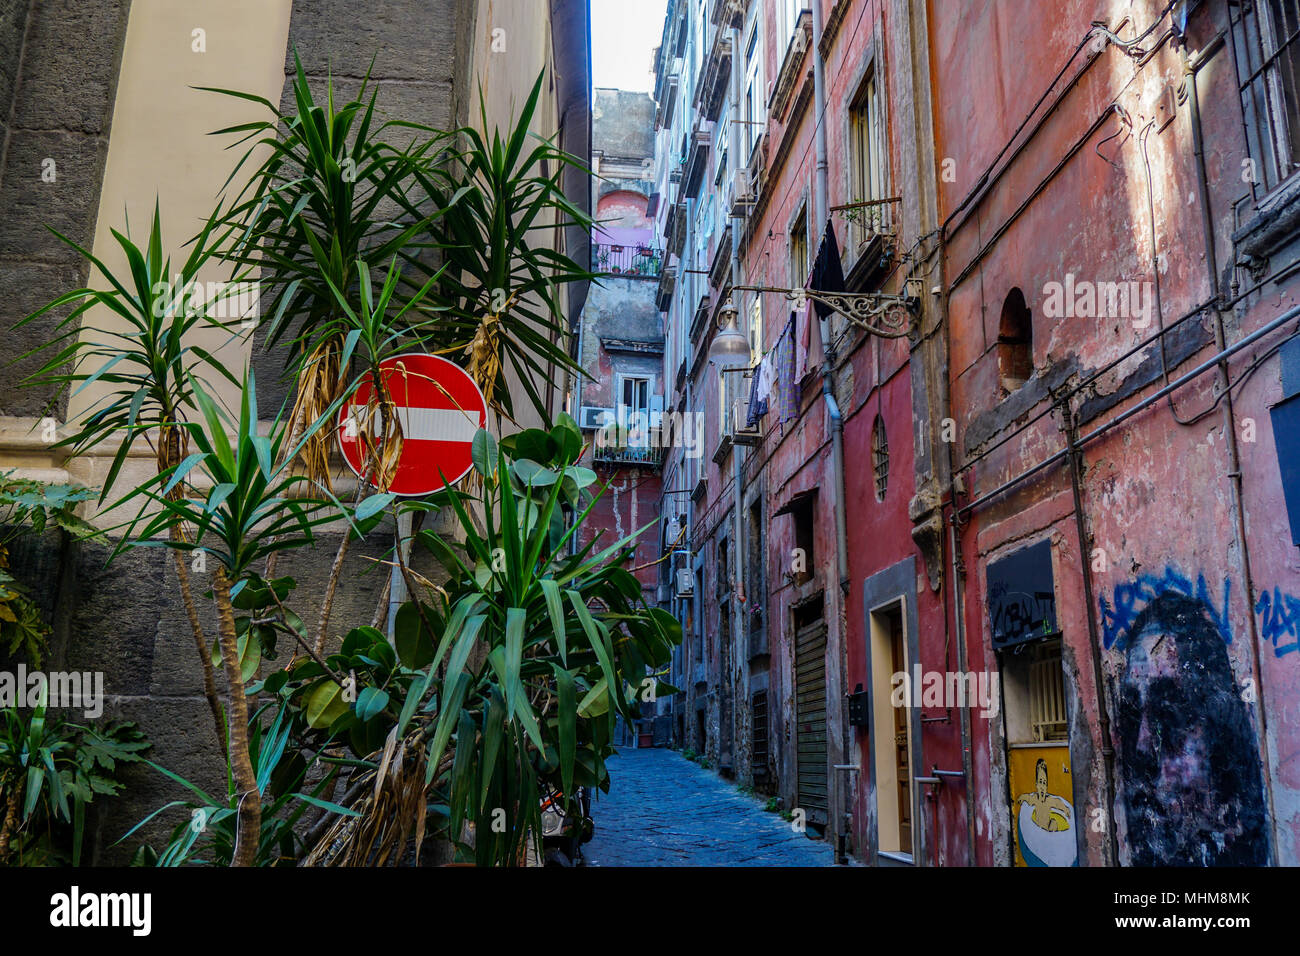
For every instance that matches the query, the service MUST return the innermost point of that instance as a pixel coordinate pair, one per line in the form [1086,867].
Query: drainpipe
[833,413]
[1075,463]
[1229,421]
[739,552]
[828,365]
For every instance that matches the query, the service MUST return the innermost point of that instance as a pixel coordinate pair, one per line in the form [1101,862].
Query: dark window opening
[723,581]
[1015,342]
[754,585]
[805,558]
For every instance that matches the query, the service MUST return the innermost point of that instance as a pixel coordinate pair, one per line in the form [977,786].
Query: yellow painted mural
[1042,816]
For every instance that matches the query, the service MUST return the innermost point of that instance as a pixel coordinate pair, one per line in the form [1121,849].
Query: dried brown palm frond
[320,383]
[393,810]
[379,433]
[484,353]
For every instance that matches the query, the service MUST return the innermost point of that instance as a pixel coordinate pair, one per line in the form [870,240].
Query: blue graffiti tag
[1129,600]
[1279,617]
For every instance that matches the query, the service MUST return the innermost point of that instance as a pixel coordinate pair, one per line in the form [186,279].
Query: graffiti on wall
[1279,621]
[1190,783]
[1131,598]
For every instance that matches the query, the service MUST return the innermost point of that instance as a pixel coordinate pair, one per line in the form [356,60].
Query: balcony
[720,269]
[667,283]
[675,229]
[711,90]
[787,77]
[635,455]
[696,159]
[699,319]
[638,262]
[667,100]
[727,13]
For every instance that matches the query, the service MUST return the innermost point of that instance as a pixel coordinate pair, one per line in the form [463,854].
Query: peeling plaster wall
[1162,547]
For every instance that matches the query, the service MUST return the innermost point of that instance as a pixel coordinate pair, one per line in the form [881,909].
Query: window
[1047,716]
[799,250]
[1015,342]
[801,509]
[723,582]
[753,115]
[867,163]
[755,331]
[789,11]
[879,457]
[1264,34]
[754,586]
[634,406]
[699,619]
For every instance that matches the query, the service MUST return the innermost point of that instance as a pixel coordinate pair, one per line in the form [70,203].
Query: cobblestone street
[664,810]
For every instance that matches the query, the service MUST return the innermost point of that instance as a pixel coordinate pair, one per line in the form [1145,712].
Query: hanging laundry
[827,273]
[787,387]
[757,397]
[765,377]
[810,341]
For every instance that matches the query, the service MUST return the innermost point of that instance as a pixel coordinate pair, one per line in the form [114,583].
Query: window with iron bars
[1263,37]
[1047,715]
[880,458]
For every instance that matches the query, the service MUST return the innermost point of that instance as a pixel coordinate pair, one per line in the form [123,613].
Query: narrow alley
[665,810]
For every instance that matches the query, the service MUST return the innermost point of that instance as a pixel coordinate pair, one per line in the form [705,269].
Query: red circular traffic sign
[439,407]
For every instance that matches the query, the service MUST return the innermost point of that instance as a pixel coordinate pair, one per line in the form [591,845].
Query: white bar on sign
[437,424]
[423,424]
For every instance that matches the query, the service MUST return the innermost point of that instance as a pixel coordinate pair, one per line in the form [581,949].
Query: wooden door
[902,739]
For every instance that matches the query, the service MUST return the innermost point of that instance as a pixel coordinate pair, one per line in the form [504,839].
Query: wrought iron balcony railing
[646,455]
[638,261]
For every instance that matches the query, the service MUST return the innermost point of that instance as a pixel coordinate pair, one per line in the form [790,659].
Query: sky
[623,33]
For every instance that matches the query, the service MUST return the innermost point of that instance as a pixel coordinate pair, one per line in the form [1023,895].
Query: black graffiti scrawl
[1189,777]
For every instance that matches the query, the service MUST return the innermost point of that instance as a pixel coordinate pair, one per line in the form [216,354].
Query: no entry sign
[440,408]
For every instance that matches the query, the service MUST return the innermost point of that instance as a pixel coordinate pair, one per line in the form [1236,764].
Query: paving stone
[664,810]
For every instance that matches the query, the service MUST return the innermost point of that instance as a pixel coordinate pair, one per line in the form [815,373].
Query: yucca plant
[376,330]
[527,653]
[502,201]
[145,359]
[246,505]
[331,194]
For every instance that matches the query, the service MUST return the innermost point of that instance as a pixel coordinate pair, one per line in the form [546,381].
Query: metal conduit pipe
[1287,316]
[834,415]
[1094,638]
[1191,70]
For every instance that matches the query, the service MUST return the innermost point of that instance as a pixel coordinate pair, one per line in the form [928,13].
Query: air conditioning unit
[744,186]
[685,582]
[741,433]
[742,196]
[656,412]
[592,418]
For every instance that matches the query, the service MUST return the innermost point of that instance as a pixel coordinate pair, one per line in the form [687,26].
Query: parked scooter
[564,833]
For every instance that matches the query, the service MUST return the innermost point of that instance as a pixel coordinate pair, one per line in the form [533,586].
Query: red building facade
[1008,578]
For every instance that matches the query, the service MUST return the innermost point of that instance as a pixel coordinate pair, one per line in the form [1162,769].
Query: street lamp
[730,347]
